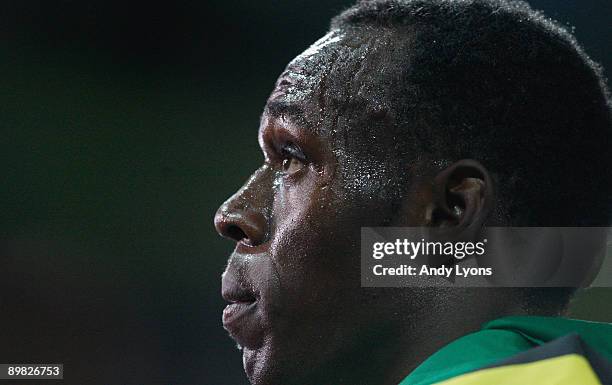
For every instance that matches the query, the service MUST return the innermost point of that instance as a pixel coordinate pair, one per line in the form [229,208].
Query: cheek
[305,221]
[315,244]
[315,252]
[299,210]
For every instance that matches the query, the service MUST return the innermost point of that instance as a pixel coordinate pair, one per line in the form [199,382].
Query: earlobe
[463,196]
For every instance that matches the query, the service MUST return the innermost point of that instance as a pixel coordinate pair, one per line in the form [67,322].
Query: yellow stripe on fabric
[570,369]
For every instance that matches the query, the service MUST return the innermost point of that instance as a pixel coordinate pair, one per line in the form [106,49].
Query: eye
[292,165]
[293,159]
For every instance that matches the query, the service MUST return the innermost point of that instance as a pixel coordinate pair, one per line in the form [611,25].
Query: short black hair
[498,82]
[501,83]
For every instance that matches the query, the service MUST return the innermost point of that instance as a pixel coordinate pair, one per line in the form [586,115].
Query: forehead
[345,70]
[338,89]
[299,91]
[303,73]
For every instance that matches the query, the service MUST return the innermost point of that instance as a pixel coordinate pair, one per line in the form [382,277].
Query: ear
[463,196]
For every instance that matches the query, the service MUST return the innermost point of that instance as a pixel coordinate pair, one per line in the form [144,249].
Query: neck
[394,348]
[454,313]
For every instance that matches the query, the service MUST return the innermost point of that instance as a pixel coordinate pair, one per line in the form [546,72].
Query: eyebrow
[284,109]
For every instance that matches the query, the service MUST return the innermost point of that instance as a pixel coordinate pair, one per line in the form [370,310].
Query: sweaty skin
[296,306]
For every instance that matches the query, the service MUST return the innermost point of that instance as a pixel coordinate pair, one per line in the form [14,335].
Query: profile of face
[296,308]
[372,126]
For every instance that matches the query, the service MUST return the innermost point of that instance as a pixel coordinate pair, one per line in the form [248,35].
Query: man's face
[293,284]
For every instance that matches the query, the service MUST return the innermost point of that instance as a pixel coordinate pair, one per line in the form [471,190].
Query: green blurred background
[124,125]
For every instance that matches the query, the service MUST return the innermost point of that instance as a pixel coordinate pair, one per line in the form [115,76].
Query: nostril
[235,232]
[241,226]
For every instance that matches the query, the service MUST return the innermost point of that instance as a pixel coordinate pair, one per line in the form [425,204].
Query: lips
[234,312]
[238,307]
[240,315]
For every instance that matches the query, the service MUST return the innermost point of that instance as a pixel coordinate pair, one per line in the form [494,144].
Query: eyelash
[293,160]
[290,150]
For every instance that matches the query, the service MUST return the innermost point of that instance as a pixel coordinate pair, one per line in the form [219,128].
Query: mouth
[234,312]
[240,315]
[237,308]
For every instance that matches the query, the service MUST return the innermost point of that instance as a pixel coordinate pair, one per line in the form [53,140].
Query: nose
[242,217]
[246,226]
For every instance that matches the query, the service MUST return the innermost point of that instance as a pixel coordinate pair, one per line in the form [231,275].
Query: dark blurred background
[124,125]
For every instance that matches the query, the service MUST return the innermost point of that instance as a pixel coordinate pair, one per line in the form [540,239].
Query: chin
[270,366]
[258,366]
